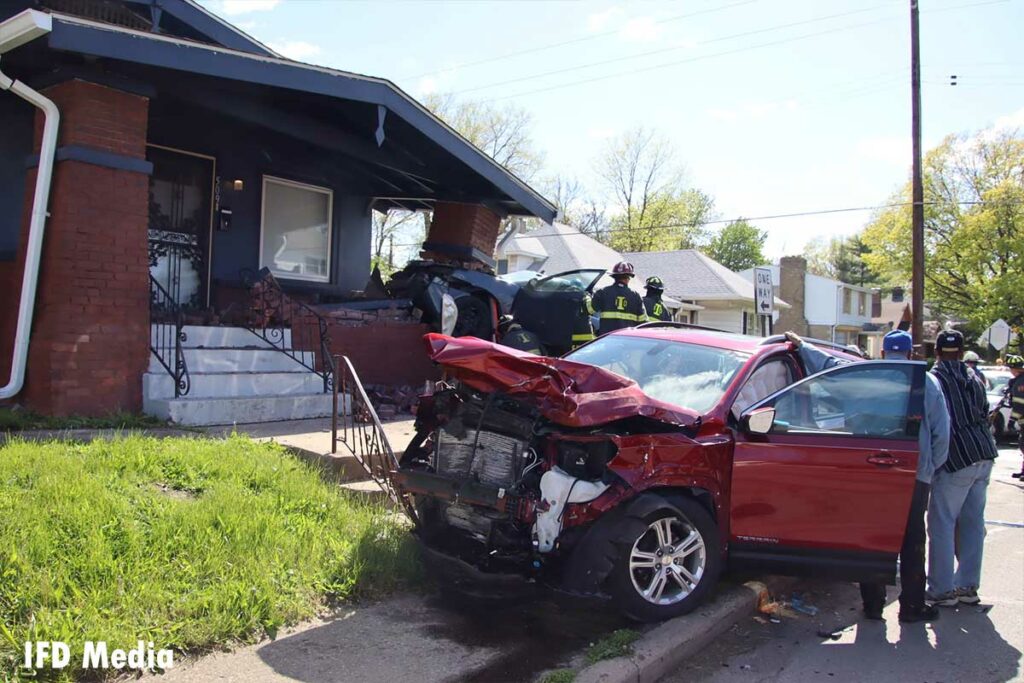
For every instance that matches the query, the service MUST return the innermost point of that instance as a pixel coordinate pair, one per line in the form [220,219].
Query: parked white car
[998,378]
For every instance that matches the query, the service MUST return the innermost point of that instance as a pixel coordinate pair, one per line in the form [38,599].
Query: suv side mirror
[758,421]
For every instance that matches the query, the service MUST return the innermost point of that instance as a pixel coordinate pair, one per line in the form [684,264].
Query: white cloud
[1010,121]
[298,50]
[235,7]
[890,149]
[427,86]
[601,21]
[641,30]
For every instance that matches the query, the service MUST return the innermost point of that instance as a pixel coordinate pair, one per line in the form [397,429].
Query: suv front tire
[668,563]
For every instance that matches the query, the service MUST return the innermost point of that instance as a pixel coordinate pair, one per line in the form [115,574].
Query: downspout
[13,33]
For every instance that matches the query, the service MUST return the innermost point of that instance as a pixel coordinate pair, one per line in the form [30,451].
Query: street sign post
[764,297]
[997,335]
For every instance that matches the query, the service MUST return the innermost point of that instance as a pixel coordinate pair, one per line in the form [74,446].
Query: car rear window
[687,375]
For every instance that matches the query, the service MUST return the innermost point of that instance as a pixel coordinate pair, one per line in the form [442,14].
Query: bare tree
[653,207]
[503,133]
[576,207]
[393,226]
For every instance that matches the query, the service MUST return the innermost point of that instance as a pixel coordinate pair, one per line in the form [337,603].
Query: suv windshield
[687,375]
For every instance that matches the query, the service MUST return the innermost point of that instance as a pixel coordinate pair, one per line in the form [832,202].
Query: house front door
[180,217]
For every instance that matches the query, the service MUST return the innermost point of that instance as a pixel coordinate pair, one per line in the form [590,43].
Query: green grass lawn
[189,543]
[20,420]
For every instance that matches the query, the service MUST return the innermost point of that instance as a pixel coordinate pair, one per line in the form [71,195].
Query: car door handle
[883,460]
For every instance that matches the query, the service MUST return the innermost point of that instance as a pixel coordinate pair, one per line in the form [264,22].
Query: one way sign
[764,291]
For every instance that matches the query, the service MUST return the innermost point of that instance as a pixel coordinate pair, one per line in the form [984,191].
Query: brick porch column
[90,336]
[462,233]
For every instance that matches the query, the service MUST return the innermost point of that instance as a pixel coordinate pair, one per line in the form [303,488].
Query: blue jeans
[957,502]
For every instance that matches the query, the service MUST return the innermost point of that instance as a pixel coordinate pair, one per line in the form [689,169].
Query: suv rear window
[687,375]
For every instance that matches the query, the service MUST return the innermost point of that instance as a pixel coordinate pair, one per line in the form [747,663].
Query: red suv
[642,464]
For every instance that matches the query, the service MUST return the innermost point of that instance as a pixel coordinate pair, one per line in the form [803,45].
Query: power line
[709,56]
[688,60]
[744,34]
[551,46]
[798,214]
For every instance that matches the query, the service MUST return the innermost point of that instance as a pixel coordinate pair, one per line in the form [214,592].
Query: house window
[295,237]
[862,303]
[502,266]
[847,301]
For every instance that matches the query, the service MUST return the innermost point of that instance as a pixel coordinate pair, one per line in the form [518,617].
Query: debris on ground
[798,605]
[830,635]
[389,401]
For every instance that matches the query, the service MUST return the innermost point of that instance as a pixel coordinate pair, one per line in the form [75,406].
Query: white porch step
[220,411]
[238,360]
[234,384]
[204,336]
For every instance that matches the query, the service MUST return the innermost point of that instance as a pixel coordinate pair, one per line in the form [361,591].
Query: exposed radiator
[498,461]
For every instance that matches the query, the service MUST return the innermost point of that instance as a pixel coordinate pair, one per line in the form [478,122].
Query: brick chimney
[792,283]
[462,234]
[876,303]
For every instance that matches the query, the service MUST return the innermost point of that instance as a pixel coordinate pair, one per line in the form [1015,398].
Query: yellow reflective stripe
[582,337]
[589,305]
[615,315]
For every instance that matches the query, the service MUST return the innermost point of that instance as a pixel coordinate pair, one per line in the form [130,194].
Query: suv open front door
[823,484]
[548,306]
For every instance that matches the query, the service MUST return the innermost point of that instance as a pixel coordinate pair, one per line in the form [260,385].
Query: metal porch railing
[166,335]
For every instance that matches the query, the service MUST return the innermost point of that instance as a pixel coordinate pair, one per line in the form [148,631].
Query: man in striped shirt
[960,488]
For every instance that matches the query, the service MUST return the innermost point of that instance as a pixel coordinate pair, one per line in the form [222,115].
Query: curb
[663,648]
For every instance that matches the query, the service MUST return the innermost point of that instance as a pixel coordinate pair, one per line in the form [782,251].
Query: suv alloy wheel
[667,563]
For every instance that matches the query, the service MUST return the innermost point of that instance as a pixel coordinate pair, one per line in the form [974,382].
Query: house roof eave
[83,36]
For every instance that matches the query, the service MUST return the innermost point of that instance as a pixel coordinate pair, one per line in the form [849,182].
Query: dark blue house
[188,152]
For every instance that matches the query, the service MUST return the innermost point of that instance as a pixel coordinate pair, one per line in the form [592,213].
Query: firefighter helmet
[1015,362]
[623,268]
[654,282]
[971,357]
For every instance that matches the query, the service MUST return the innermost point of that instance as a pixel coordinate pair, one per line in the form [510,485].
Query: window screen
[296,237]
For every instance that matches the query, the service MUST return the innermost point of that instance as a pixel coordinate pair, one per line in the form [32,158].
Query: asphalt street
[979,644]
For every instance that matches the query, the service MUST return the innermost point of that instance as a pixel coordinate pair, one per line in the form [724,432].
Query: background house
[726,298]
[819,306]
[557,248]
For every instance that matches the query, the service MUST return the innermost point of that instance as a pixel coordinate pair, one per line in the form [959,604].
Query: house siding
[247,154]
[727,319]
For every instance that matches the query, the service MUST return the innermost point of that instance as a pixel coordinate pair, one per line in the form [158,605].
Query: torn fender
[567,393]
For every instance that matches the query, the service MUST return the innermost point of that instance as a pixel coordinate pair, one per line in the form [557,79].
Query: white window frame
[330,225]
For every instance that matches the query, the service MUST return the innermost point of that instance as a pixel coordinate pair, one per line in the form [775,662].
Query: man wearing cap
[960,488]
[653,304]
[933,445]
[1015,395]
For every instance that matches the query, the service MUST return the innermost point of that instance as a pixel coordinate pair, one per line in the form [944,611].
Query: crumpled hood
[567,393]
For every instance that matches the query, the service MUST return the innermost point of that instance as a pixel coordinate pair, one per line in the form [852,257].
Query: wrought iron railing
[167,334]
[289,326]
[358,429]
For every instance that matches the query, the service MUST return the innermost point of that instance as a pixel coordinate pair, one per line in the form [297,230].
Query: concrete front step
[203,336]
[238,360]
[223,411]
[234,384]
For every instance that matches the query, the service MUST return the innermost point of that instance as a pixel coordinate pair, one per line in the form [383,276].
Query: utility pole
[917,216]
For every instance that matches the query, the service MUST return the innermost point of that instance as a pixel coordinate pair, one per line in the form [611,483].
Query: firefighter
[1015,394]
[653,304]
[515,336]
[582,328]
[617,305]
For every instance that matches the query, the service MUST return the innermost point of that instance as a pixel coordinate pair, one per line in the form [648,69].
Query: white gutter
[14,32]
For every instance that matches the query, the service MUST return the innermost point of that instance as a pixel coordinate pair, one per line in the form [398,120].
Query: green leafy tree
[738,246]
[843,259]
[652,208]
[974,229]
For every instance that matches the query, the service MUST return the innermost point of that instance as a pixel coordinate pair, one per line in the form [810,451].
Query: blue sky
[774,106]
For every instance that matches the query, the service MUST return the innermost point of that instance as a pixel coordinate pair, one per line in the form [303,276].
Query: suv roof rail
[673,323]
[779,338]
